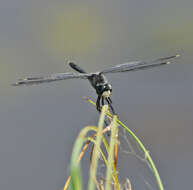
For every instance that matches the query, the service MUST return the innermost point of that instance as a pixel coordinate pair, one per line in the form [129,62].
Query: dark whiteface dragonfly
[97,79]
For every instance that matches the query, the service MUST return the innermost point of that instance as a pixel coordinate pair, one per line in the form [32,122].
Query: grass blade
[110,165]
[94,162]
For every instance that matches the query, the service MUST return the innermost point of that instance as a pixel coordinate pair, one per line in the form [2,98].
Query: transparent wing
[138,65]
[50,78]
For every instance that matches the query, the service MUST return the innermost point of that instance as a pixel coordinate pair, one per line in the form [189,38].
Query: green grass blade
[147,155]
[94,162]
[109,171]
[76,181]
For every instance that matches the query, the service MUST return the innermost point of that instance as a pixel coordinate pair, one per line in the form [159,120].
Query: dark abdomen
[76,67]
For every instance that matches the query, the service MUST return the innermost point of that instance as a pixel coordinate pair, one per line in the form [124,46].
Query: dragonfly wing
[138,65]
[50,78]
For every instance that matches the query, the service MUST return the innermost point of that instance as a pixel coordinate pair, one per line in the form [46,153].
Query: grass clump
[111,180]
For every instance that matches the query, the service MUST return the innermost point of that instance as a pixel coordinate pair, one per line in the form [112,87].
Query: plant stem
[142,147]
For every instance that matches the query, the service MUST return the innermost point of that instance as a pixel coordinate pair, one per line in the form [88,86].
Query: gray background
[39,124]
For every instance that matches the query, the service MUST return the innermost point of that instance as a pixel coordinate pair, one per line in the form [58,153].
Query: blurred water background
[38,124]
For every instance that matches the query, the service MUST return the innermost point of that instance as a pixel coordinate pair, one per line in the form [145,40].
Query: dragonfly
[98,79]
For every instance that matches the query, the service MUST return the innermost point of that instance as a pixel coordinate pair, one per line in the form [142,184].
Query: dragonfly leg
[110,100]
[110,105]
[98,103]
[103,103]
